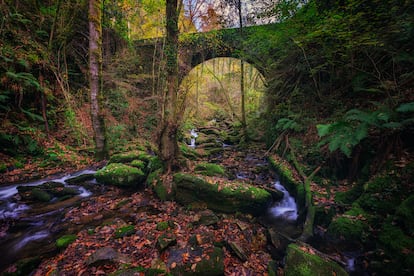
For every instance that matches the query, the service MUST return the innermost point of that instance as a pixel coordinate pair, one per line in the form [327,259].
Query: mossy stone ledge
[228,198]
[120,175]
[304,261]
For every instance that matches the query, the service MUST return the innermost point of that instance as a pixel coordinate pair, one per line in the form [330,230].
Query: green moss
[230,198]
[395,242]
[405,215]
[64,241]
[349,196]
[188,152]
[155,163]
[381,195]
[352,225]
[138,164]
[41,195]
[124,231]
[126,157]
[123,203]
[394,239]
[3,168]
[214,265]
[301,263]
[210,169]
[24,267]
[120,175]
[162,226]
[294,187]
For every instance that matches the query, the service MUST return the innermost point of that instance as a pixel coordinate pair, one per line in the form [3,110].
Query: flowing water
[286,208]
[27,228]
[194,135]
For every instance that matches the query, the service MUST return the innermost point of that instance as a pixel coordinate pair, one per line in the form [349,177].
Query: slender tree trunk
[243,100]
[168,146]
[44,105]
[95,76]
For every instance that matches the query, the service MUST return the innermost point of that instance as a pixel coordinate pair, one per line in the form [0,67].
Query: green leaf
[346,149]
[32,115]
[361,132]
[392,125]
[323,130]
[406,107]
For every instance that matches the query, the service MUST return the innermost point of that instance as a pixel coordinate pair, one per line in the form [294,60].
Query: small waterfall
[194,135]
[286,208]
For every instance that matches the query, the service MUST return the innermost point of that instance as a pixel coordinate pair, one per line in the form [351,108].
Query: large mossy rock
[351,226]
[228,198]
[142,160]
[120,175]
[46,192]
[303,260]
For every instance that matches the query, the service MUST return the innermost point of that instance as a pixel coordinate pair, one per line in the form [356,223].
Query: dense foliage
[345,67]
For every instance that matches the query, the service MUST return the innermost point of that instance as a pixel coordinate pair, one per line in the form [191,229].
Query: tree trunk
[243,100]
[95,77]
[168,146]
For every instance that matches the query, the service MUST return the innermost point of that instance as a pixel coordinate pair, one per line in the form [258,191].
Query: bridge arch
[211,90]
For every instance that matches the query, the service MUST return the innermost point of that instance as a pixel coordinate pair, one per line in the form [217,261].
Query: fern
[26,78]
[33,116]
[287,124]
[342,135]
[406,107]
[348,132]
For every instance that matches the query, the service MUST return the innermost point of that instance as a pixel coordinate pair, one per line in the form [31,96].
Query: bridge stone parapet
[196,48]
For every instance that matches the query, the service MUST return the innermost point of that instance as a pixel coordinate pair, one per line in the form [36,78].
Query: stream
[26,228]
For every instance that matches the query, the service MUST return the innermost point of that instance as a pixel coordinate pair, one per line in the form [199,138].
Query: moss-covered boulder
[381,195]
[127,157]
[210,169]
[46,192]
[120,175]
[351,226]
[23,267]
[405,215]
[396,249]
[303,260]
[224,197]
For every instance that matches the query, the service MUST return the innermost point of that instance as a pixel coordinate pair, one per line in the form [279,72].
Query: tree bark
[243,100]
[168,146]
[95,77]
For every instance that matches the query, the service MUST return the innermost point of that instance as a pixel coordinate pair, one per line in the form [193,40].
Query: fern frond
[406,107]
[323,130]
[33,116]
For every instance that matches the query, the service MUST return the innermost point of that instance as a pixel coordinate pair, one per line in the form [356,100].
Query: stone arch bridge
[196,48]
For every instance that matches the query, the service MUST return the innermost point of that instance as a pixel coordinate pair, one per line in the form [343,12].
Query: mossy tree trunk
[95,76]
[167,143]
[242,90]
